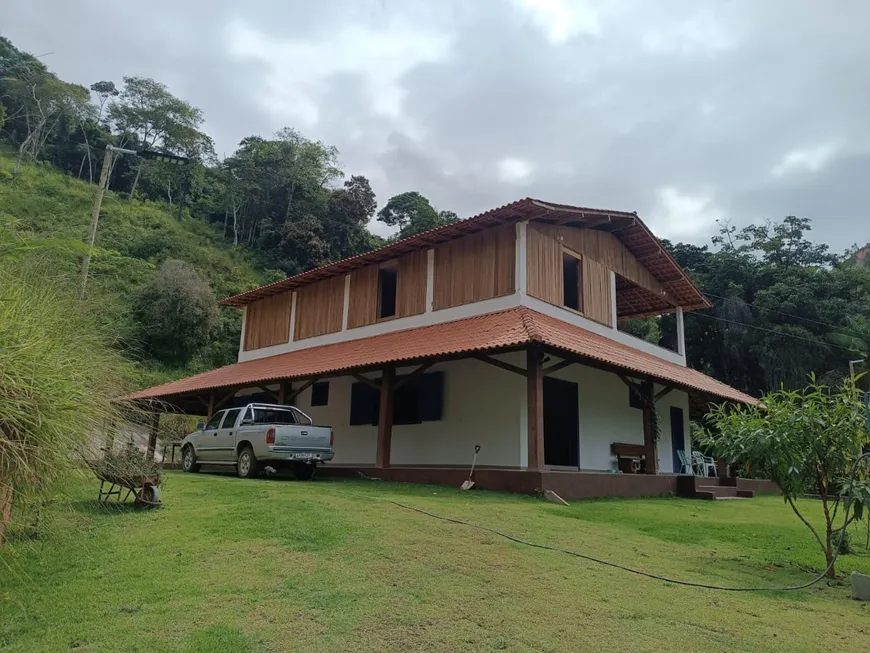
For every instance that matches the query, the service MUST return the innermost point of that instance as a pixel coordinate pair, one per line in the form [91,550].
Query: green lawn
[229,565]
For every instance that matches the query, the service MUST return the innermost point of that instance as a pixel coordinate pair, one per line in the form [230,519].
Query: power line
[778,333]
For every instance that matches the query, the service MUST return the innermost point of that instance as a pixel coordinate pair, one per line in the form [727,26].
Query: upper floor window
[572,281]
[387,278]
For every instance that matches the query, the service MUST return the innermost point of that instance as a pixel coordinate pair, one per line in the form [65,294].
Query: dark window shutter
[430,396]
[364,404]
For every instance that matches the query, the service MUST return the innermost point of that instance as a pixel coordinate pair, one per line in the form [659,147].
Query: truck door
[225,442]
[205,441]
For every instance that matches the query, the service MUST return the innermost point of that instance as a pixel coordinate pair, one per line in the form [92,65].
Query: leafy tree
[412,214]
[806,440]
[177,312]
[156,119]
[104,90]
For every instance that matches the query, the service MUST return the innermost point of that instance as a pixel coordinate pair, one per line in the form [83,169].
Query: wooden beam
[152,436]
[501,364]
[535,408]
[374,383]
[649,441]
[202,401]
[230,395]
[385,418]
[558,366]
[210,406]
[413,375]
[275,397]
[298,391]
[664,391]
[283,387]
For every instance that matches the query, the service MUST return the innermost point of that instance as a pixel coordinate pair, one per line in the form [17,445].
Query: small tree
[806,440]
[177,311]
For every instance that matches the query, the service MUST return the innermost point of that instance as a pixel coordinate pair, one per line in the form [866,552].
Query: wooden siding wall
[544,267]
[362,309]
[319,308]
[475,268]
[604,248]
[267,321]
[411,284]
[410,290]
[597,303]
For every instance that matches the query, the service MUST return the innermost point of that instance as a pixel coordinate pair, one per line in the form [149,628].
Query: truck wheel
[188,460]
[304,471]
[247,466]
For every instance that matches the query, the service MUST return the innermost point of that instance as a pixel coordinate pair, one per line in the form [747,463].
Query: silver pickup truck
[257,435]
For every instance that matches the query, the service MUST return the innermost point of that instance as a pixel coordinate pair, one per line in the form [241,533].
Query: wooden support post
[385,418]
[284,389]
[649,441]
[152,436]
[210,405]
[535,410]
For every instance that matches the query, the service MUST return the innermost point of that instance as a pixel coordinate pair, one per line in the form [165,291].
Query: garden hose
[639,572]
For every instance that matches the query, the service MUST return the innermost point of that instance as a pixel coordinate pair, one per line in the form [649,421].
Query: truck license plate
[304,456]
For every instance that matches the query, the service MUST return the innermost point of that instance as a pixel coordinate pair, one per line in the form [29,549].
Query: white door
[205,442]
[225,442]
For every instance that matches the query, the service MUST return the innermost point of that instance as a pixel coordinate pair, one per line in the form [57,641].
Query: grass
[134,237]
[229,565]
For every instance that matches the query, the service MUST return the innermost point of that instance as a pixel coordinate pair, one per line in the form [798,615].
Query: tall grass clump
[59,374]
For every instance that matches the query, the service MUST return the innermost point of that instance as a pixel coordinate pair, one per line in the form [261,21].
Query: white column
[613,299]
[346,302]
[430,279]
[242,339]
[520,272]
[292,317]
[681,333]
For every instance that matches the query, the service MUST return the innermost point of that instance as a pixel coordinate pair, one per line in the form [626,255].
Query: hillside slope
[136,237]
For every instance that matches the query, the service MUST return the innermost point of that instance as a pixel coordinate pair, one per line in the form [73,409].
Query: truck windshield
[279,416]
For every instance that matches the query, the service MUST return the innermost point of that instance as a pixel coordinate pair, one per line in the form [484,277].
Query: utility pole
[111,150]
[95,215]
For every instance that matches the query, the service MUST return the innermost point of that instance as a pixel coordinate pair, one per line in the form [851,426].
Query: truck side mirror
[200,426]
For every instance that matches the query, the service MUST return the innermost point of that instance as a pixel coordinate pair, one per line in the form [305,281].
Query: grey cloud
[704,98]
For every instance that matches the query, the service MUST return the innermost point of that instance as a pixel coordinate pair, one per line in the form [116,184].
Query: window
[274,416]
[215,421]
[636,397]
[420,400]
[387,278]
[230,418]
[572,280]
[320,393]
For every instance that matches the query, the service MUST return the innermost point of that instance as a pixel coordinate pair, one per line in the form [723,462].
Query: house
[501,331]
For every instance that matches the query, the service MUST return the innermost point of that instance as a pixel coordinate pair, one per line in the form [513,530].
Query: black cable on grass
[639,572]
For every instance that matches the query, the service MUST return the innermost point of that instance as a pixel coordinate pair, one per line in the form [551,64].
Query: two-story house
[502,331]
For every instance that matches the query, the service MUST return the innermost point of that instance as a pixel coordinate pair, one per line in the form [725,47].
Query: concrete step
[713,496]
[718,490]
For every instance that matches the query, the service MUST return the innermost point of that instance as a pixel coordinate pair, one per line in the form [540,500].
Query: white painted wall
[482,405]
[487,406]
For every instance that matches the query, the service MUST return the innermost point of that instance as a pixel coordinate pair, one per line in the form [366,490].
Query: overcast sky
[686,111]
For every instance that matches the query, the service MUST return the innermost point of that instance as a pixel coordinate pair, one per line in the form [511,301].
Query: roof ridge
[530,325]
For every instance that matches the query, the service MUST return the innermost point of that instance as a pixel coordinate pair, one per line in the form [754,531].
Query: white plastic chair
[699,462]
[710,466]
[685,463]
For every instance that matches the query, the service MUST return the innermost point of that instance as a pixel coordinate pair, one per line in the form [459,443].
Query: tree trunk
[5,508]
[135,180]
[829,550]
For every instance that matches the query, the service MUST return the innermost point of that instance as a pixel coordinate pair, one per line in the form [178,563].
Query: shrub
[177,312]
[58,377]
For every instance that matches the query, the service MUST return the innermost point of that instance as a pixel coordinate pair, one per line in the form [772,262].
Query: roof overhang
[627,227]
[508,330]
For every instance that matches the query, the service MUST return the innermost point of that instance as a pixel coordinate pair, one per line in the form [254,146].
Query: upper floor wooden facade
[582,271]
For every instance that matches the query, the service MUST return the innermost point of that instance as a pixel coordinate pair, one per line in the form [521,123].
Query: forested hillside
[175,237]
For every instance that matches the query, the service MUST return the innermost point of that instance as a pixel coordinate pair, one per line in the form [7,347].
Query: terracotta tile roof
[625,226]
[491,332]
